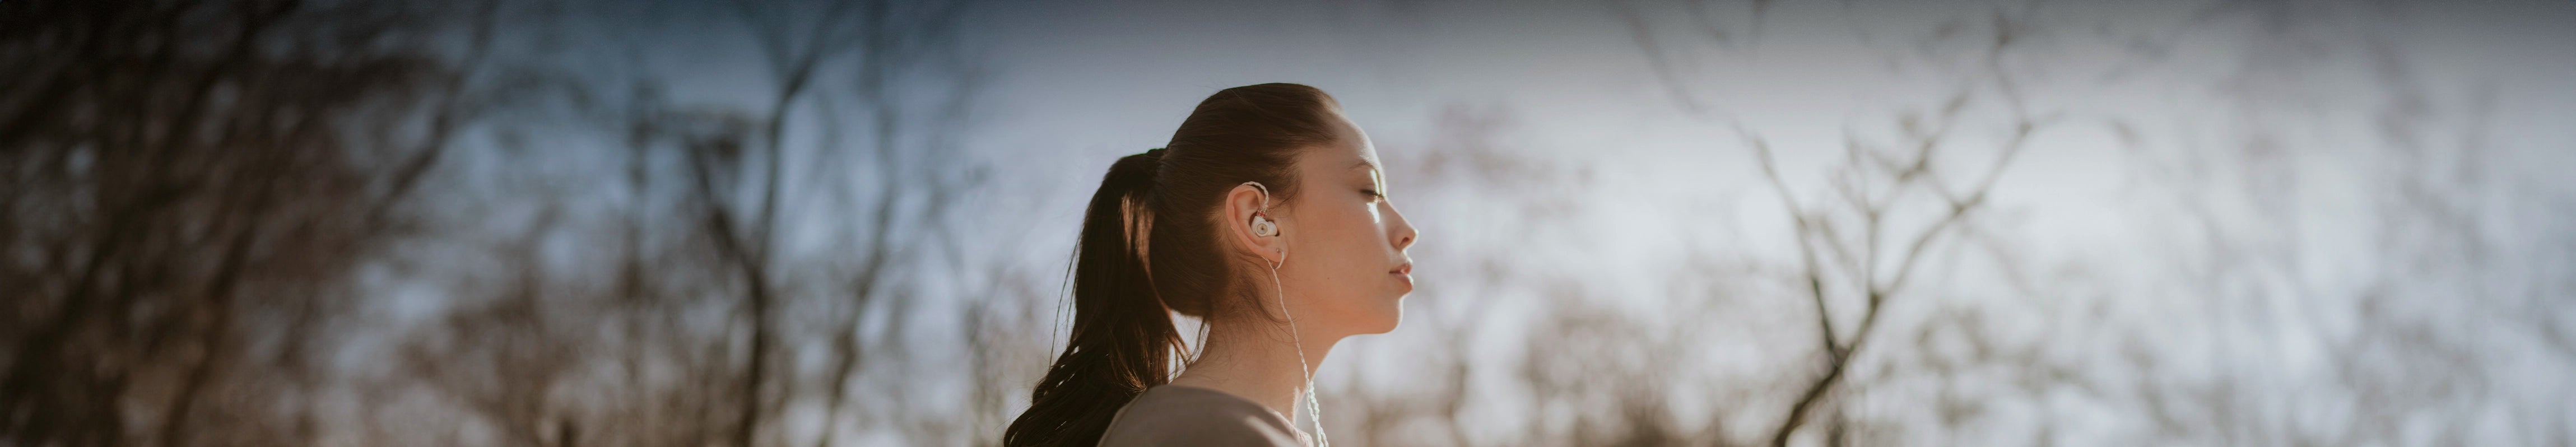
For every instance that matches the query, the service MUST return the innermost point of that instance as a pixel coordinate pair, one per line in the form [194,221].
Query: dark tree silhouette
[189,183]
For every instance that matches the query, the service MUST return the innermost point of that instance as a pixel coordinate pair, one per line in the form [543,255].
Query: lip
[1403,273]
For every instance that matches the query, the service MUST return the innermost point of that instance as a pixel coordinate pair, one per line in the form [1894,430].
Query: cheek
[1356,253]
[1334,248]
[1353,239]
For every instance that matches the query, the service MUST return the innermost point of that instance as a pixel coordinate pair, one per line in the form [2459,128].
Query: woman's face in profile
[1346,262]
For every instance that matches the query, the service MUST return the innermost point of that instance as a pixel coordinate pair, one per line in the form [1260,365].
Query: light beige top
[1179,415]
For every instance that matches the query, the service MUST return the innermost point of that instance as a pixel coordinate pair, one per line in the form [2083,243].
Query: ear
[1241,203]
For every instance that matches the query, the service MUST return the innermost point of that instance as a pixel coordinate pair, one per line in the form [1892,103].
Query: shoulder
[1171,415]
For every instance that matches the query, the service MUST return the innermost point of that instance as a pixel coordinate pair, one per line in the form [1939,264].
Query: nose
[1401,230]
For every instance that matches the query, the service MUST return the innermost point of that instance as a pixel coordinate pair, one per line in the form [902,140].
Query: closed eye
[1373,195]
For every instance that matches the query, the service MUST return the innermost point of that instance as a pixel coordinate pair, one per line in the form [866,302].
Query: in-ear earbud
[1261,226]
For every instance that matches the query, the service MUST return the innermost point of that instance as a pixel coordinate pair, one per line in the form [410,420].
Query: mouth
[1403,273]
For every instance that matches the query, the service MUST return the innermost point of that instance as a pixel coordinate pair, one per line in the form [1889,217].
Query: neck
[1257,360]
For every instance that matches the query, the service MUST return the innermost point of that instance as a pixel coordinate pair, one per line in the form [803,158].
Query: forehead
[1351,150]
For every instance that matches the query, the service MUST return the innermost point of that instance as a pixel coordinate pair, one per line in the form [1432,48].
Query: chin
[1385,320]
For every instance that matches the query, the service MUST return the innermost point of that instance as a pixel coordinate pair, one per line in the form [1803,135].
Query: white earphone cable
[1314,410]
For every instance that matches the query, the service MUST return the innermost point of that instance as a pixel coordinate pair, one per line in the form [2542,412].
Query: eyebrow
[1363,163]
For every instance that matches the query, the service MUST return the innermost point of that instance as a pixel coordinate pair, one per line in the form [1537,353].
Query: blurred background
[1645,222]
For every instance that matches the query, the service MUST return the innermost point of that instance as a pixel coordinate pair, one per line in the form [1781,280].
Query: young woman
[1266,218]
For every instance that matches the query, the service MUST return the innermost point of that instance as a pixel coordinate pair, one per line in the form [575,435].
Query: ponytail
[1122,333]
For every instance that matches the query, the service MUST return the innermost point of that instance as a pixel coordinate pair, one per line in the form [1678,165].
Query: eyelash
[1373,194]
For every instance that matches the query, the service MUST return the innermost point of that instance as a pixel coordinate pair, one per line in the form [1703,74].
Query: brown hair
[1123,339]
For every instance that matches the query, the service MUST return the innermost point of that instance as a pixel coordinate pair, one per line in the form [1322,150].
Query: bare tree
[189,186]
[717,210]
[2404,363]
[1886,207]
[2444,315]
